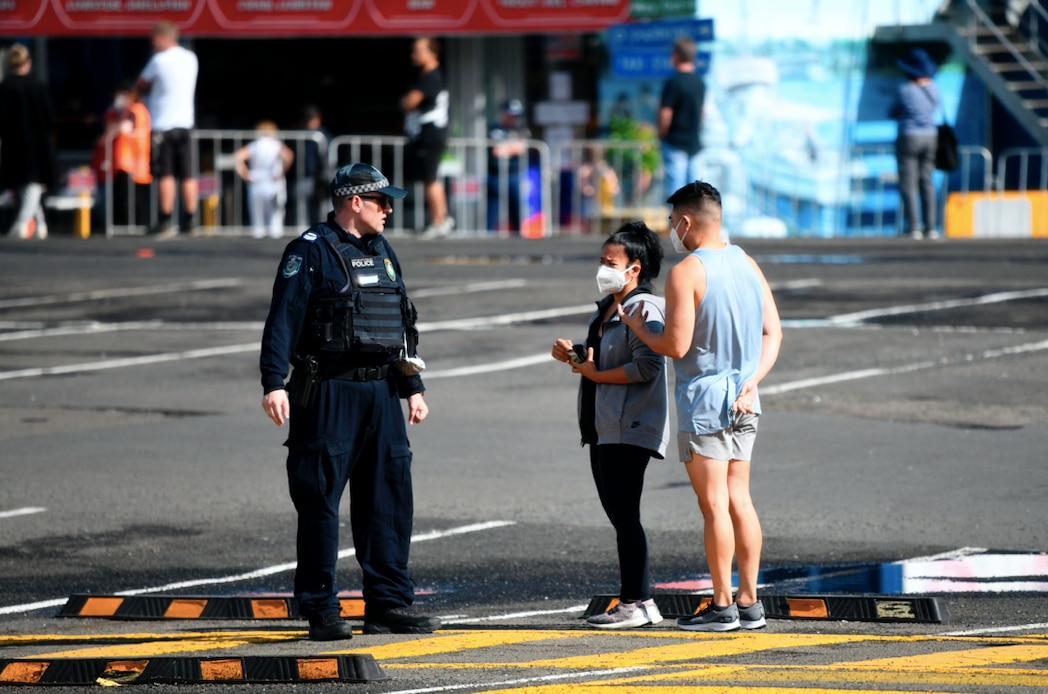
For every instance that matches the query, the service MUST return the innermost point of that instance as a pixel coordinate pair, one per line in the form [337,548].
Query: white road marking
[488,368]
[128,361]
[470,288]
[906,368]
[463,619]
[998,297]
[844,376]
[507,318]
[258,573]
[28,510]
[996,630]
[88,328]
[75,297]
[953,554]
[525,680]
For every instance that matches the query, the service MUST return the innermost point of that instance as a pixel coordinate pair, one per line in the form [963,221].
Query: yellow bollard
[209,211]
[82,222]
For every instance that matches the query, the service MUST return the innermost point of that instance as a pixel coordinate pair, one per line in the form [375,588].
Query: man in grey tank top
[723,333]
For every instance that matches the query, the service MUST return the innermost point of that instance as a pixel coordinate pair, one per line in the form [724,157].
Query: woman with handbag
[916,142]
[623,408]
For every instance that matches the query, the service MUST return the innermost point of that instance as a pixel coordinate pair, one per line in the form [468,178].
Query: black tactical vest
[371,313]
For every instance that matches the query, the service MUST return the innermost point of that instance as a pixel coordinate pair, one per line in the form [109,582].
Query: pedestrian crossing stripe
[185,670]
[195,607]
[856,608]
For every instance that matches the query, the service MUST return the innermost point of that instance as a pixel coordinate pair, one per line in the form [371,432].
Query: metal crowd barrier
[592,186]
[222,193]
[485,194]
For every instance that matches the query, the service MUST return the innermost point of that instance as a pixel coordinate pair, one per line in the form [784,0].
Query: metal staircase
[1009,59]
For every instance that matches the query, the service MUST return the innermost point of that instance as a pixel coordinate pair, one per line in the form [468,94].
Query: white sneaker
[932,235]
[435,231]
[627,614]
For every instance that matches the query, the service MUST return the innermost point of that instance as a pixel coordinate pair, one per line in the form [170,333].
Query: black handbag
[946,156]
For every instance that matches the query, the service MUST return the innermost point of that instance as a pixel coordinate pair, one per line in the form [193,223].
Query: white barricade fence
[580,186]
[485,193]
[222,207]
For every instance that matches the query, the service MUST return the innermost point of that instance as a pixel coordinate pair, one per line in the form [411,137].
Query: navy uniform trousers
[353,433]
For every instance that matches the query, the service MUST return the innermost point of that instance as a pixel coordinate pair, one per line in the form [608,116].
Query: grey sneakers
[712,618]
[627,614]
[752,617]
[730,618]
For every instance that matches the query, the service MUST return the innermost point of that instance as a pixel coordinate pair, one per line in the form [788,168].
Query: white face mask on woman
[610,280]
[678,244]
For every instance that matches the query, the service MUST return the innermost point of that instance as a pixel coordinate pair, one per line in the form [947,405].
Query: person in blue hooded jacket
[915,144]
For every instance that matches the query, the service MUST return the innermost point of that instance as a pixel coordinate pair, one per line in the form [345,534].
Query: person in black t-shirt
[426,125]
[680,117]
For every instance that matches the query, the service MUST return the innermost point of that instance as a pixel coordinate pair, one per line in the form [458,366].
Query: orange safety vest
[138,146]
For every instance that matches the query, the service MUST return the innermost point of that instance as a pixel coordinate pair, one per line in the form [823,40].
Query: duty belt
[363,373]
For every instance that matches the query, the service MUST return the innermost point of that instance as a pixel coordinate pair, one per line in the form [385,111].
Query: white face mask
[678,245]
[610,280]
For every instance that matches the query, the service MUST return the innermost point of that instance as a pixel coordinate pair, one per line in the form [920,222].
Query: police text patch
[292,266]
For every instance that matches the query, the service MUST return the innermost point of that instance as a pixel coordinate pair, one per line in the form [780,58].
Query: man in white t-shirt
[169,79]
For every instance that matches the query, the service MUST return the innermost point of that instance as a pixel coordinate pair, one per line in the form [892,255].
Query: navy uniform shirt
[310,269]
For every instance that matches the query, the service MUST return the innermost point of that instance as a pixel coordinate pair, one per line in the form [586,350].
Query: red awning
[275,18]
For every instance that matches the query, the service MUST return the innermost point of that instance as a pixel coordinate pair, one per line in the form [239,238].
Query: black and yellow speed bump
[194,607]
[855,608]
[186,670]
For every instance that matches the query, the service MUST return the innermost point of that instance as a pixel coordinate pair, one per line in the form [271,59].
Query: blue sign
[649,63]
[657,35]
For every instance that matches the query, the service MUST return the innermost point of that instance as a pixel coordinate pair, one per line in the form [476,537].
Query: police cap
[354,179]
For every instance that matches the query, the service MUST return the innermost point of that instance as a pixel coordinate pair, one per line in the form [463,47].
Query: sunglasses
[383,201]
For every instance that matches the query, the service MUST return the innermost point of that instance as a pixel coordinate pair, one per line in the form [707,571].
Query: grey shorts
[733,443]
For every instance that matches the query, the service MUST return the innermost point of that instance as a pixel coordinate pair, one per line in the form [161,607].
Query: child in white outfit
[263,164]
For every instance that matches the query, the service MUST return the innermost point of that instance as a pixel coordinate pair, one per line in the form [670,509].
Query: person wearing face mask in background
[623,409]
[723,331]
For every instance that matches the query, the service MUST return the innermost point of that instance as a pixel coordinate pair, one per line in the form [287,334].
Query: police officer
[341,316]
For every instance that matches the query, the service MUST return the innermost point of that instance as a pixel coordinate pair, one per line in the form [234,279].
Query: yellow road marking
[574,688]
[161,644]
[838,673]
[456,642]
[695,649]
[991,655]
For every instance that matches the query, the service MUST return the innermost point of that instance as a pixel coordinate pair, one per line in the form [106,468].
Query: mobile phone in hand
[577,353]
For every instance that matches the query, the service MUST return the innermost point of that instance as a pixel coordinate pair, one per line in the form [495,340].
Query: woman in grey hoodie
[623,410]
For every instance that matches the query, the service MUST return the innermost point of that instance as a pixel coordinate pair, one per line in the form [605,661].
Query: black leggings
[618,471]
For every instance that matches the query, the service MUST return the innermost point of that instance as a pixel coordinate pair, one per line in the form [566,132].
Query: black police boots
[398,620]
[329,627]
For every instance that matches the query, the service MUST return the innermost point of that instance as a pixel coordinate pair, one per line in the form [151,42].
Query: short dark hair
[641,244]
[684,49]
[697,198]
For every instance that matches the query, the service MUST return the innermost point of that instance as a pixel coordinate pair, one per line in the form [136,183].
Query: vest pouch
[379,321]
[331,329]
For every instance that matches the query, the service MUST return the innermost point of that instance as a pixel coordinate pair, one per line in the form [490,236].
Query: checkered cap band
[347,189]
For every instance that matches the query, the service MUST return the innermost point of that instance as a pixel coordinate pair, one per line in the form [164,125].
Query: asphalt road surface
[905,419]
